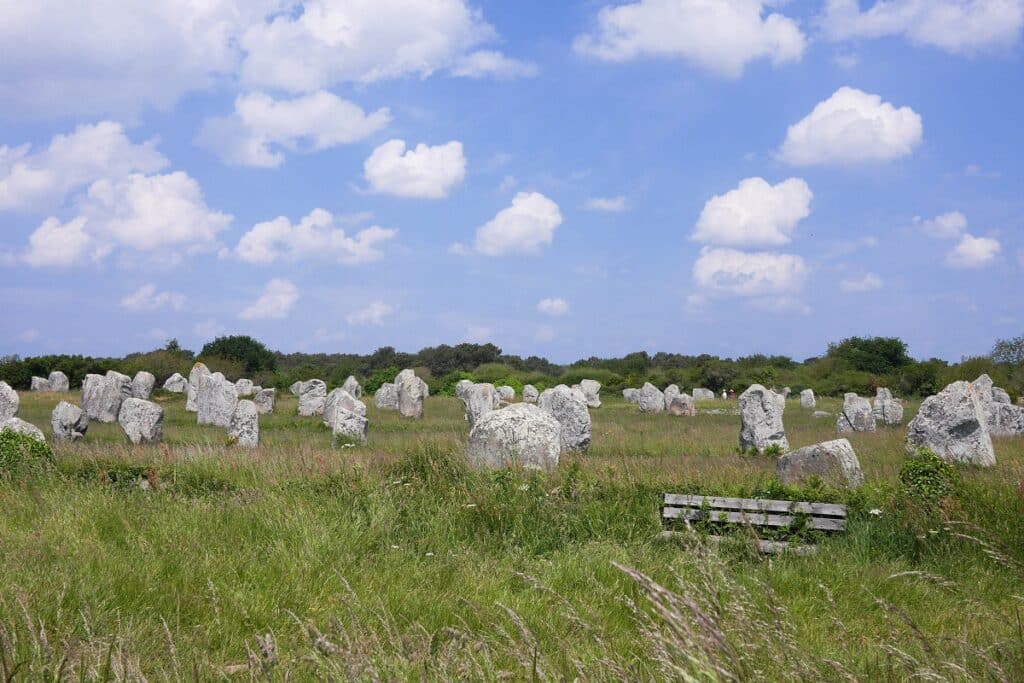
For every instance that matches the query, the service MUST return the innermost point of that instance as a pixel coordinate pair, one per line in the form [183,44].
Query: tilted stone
[352,386]
[953,425]
[856,415]
[68,422]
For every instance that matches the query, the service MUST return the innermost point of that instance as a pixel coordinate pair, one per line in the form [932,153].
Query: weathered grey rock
[953,425]
[142,385]
[217,399]
[68,422]
[631,395]
[530,394]
[339,399]
[1000,396]
[761,420]
[479,400]
[680,404]
[198,370]
[519,435]
[295,388]
[461,387]
[834,462]
[265,400]
[886,408]
[1001,418]
[59,381]
[592,391]
[569,407]
[411,392]
[386,397]
[16,424]
[703,395]
[671,391]
[856,415]
[786,391]
[141,421]
[820,414]
[312,397]
[245,388]
[102,395]
[244,427]
[651,399]
[176,384]
[807,399]
[349,426]
[352,386]
[40,384]
[506,393]
[9,402]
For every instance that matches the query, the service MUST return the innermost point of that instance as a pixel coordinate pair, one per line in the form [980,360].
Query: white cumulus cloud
[852,126]
[275,303]
[738,273]
[147,298]
[262,129]
[423,172]
[756,213]
[867,283]
[373,314]
[318,236]
[973,252]
[553,306]
[523,228]
[58,244]
[947,226]
[957,26]
[722,36]
[491,63]
[616,204]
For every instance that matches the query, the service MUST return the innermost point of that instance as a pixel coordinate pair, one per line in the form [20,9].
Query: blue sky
[562,179]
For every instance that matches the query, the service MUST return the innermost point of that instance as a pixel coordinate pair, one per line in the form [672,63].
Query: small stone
[295,388]
[245,388]
[530,394]
[141,421]
[176,384]
[350,426]
[807,399]
[818,414]
[592,391]
[700,394]
[631,395]
[16,424]
[352,386]
[519,435]
[40,384]
[142,385]
[265,400]
[651,399]
[244,428]
[834,462]
[68,422]
[506,393]
[680,404]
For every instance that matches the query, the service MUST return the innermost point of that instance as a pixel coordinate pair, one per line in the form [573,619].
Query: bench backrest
[753,511]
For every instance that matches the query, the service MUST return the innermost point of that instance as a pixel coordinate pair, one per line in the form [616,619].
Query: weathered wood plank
[752,518]
[765,547]
[756,505]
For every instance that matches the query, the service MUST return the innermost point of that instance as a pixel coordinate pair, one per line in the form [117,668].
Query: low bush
[21,453]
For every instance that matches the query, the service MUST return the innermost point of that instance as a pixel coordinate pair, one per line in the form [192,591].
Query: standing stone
[807,399]
[264,400]
[411,391]
[570,409]
[761,420]
[1001,418]
[856,415]
[59,381]
[217,399]
[1000,396]
[68,422]
[506,393]
[519,435]
[886,408]
[349,426]
[592,391]
[245,388]
[176,384]
[834,462]
[312,397]
[9,402]
[680,404]
[479,400]
[192,402]
[16,424]
[671,391]
[295,388]
[141,421]
[700,394]
[461,387]
[786,391]
[142,385]
[244,427]
[651,399]
[339,399]
[530,394]
[386,397]
[631,395]
[40,384]
[102,395]
[953,425]
[352,386]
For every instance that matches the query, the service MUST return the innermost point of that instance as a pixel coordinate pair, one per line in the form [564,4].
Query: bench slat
[763,546]
[753,518]
[756,505]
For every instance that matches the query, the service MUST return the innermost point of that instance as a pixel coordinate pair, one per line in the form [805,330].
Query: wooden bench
[753,513]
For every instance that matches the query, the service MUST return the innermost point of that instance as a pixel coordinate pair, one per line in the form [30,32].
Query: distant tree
[878,355]
[172,345]
[1009,351]
[253,355]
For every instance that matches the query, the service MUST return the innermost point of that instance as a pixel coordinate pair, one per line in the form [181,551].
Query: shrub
[20,453]
[926,478]
[379,377]
[445,386]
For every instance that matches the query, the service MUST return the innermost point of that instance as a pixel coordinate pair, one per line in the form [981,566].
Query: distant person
[732,394]
[725,396]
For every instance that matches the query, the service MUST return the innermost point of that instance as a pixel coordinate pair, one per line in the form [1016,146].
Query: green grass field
[296,561]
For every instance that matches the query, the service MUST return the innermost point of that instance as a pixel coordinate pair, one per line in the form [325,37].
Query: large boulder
[411,392]
[680,404]
[16,424]
[102,395]
[59,381]
[176,384]
[312,397]
[592,391]
[9,402]
[339,399]
[651,399]
[631,395]
[352,386]
[69,422]
[142,384]
[192,402]
[521,434]
[856,415]
[40,384]
[700,394]
[570,409]
[244,427]
[807,399]
[265,400]
[1001,418]
[217,399]
[761,420]
[953,425]
[349,426]
[530,394]
[245,387]
[386,397]
[479,400]
[834,462]
[141,421]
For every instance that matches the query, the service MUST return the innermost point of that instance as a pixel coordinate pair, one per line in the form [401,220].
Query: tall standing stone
[9,402]
[176,384]
[339,399]
[244,427]
[761,420]
[198,370]
[141,421]
[352,386]
[570,409]
[59,381]
[386,397]
[651,399]
[807,399]
[411,392]
[102,395]
[217,399]
[264,400]
[68,422]
[519,435]
[1001,418]
[312,398]
[856,415]
[479,400]
[142,384]
[953,425]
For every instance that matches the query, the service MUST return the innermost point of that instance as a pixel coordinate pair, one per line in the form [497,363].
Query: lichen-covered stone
[530,394]
[265,400]
[953,425]
[244,427]
[856,415]
[59,381]
[142,385]
[16,424]
[68,422]
[198,370]
[217,399]
[700,394]
[651,399]
[312,397]
[9,402]
[411,392]
[141,421]
[386,397]
[570,409]
[592,391]
[833,462]
[176,384]
[807,399]
[519,435]
[761,420]
[350,426]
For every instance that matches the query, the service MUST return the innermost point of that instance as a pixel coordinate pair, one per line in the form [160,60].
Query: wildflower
[524,487]
[876,512]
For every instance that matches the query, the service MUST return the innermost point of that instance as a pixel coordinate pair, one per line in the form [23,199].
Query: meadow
[302,560]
